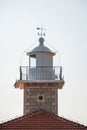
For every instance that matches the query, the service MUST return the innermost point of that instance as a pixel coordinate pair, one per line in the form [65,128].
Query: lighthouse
[40,80]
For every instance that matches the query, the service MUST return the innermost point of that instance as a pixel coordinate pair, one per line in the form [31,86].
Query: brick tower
[41,80]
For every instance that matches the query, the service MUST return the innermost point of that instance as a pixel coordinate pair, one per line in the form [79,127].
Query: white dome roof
[41,48]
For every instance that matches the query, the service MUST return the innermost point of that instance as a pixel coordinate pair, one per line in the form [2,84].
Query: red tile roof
[41,120]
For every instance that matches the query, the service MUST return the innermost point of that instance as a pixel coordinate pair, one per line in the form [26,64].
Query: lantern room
[42,55]
[40,67]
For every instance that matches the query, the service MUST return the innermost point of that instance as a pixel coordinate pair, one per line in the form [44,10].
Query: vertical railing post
[26,78]
[20,73]
[60,76]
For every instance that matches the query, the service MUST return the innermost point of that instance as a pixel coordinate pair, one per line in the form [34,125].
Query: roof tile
[41,120]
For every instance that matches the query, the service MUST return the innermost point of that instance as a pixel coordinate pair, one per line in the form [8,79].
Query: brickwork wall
[40,97]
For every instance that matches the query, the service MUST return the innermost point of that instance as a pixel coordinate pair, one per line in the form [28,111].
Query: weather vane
[41,31]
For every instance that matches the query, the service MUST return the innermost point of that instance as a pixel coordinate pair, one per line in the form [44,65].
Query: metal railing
[41,73]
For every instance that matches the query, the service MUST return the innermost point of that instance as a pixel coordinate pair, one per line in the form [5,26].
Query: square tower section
[40,96]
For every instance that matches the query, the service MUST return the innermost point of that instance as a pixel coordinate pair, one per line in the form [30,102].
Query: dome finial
[41,40]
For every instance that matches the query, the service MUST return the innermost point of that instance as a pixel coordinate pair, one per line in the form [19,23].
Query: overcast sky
[66,30]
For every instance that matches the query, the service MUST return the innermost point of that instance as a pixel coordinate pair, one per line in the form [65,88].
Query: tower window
[32,60]
[40,97]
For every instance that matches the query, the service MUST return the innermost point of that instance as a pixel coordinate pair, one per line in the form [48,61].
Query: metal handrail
[40,73]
